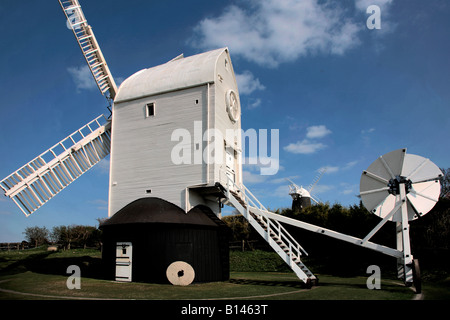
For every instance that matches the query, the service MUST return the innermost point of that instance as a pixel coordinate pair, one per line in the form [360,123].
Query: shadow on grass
[24,264]
[388,286]
[44,263]
[296,284]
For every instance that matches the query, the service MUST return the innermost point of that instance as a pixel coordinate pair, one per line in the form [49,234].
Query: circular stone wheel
[180,273]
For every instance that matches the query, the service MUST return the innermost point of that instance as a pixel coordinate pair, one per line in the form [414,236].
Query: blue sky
[340,94]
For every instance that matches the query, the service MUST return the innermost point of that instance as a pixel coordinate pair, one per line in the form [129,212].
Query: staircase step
[282,242]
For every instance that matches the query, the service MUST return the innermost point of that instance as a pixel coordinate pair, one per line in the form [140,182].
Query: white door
[124,257]
[230,161]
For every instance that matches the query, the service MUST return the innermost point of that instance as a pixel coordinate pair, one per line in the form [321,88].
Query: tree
[445,183]
[62,235]
[239,226]
[36,235]
[101,220]
[242,231]
[83,234]
[76,236]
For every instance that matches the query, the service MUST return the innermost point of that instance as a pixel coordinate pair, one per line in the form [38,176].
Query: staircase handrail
[282,232]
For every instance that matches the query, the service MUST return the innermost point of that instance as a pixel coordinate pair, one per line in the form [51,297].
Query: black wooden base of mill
[161,233]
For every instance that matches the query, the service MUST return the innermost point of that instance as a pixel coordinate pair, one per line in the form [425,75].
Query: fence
[248,245]
[13,246]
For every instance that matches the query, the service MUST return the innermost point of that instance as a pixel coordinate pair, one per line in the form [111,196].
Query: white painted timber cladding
[141,146]
[226,80]
[141,152]
[173,75]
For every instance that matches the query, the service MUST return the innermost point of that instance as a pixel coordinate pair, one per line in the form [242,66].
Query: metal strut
[268,225]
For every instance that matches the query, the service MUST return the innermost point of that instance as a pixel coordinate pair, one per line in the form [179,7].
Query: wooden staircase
[271,230]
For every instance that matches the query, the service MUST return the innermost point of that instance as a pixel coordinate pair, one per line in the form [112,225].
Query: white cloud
[102,167]
[304,147]
[266,166]
[350,164]
[347,189]
[247,83]
[334,169]
[366,135]
[307,146]
[82,77]
[281,192]
[330,169]
[270,32]
[315,132]
[100,204]
[322,188]
[119,81]
[284,180]
[249,177]
[364,4]
[367,131]
[254,104]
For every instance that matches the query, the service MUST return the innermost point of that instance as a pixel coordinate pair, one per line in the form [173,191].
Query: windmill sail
[89,46]
[316,180]
[41,179]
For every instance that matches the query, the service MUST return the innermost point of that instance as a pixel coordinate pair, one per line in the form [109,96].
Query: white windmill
[154,115]
[171,152]
[170,149]
[301,197]
[163,119]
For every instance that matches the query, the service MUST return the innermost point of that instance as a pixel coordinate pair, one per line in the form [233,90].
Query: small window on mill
[150,110]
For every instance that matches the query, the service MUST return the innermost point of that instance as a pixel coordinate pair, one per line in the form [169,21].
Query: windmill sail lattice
[41,179]
[89,46]
[316,179]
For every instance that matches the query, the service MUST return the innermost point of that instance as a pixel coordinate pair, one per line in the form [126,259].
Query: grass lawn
[245,285]
[37,274]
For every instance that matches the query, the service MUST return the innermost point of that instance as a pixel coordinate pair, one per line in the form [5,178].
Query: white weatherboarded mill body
[169,137]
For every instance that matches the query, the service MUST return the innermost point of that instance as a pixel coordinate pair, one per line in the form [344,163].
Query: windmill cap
[301,191]
[176,74]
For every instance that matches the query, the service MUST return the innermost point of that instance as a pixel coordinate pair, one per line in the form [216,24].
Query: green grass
[261,261]
[37,274]
[242,285]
